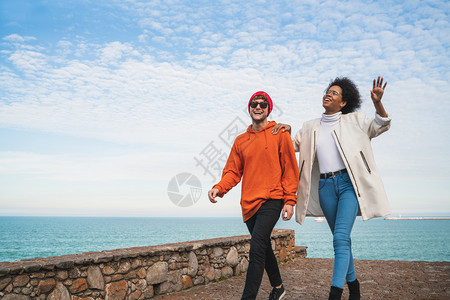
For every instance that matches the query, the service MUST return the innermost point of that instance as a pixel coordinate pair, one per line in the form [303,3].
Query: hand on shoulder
[281,127]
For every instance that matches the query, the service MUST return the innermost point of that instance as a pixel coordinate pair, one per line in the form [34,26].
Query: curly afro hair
[350,94]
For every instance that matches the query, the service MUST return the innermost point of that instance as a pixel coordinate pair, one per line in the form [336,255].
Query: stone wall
[134,273]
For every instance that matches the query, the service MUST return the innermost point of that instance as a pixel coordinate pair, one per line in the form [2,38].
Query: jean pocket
[345,178]
[322,183]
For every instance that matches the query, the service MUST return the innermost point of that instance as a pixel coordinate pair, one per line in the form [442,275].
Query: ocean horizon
[25,237]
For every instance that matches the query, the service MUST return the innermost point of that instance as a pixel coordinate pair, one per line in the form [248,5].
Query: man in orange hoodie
[269,171]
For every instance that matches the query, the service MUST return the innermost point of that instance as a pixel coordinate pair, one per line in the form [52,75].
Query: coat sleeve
[232,173]
[374,126]
[289,169]
[297,140]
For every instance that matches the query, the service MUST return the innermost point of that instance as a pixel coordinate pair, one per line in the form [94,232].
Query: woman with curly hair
[338,176]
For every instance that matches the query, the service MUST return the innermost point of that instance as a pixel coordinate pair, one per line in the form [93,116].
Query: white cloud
[113,52]
[28,61]
[15,38]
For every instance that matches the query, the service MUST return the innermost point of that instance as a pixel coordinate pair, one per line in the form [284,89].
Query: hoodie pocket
[365,162]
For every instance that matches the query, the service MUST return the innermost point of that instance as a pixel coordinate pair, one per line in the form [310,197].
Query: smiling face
[257,113]
[332,100]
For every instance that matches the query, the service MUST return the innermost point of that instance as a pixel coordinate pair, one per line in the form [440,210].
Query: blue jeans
[340,207]
[261,254]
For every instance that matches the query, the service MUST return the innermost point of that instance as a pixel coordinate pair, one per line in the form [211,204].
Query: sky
[129,108]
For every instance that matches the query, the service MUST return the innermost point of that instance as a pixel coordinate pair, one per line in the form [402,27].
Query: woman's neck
[331,117]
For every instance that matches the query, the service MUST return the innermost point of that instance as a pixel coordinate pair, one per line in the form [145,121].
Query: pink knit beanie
[267,97]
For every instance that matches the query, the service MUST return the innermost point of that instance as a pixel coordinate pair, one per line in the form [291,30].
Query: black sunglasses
[254,104]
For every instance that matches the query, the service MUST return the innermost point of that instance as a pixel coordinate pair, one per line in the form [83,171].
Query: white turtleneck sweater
[327,152]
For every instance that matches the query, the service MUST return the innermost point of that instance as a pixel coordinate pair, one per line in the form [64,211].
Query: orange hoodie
[268,167]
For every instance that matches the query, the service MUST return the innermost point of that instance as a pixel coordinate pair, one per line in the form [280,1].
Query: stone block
[227,272]
[135,295]
[37,275]
[4,282]
[21,280]
[4,271]
[300,251]
[149,292]
[64,262]
[175,258]
[141,273]
[193,264]
[136,263]
[26,290]
[59,293]
[199,280]
[124,267]
[116,290]
[32,267]
[78,285]
[130,275]
[217,273]
[243,265]
[9,288]
[209,274]
[232,257]
[95,278]
[217,252]
[141,284]
[15,297]
[117,277]
[62,275]
[74,273]
[157,273]
[46,285]
[283,255]
[237,270]
[186,281]
[291,245]
[163,288]
[107,270]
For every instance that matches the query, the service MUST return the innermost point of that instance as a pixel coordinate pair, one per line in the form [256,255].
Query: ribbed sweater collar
[331,119]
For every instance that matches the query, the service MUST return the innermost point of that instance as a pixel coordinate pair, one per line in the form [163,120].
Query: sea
[376,239]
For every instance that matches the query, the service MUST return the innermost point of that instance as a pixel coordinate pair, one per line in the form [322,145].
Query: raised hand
[378,89]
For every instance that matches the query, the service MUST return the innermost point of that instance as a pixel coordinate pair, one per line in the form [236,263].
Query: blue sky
[103,103]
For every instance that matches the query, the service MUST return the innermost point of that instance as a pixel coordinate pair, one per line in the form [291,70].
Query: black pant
[262,257]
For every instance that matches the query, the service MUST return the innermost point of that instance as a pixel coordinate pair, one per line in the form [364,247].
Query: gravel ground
[310,278]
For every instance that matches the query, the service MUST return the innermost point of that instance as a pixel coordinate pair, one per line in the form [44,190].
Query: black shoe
[277,294]
[335,293]
[353,288]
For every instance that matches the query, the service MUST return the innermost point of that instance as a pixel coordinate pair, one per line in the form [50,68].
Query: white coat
[352,138]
